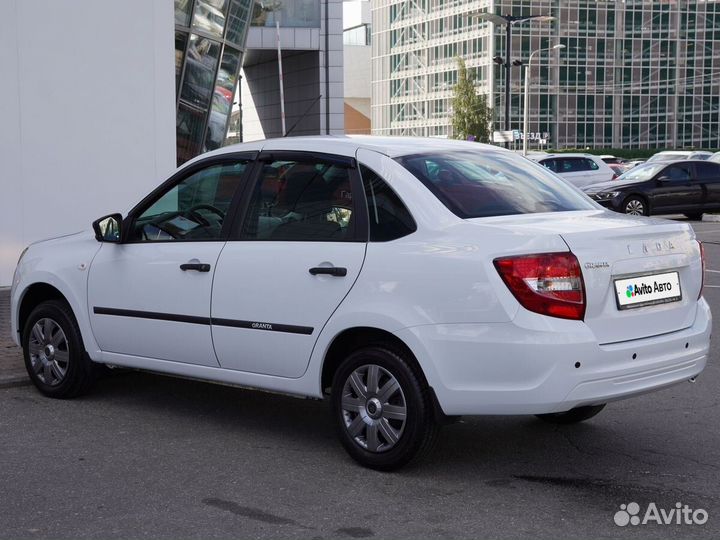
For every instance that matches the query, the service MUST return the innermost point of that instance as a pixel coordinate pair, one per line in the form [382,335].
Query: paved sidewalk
[12,369]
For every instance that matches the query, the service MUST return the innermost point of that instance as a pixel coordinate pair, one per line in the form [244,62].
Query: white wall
[87,103]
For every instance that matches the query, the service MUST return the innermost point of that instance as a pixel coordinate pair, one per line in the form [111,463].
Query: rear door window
[707,172]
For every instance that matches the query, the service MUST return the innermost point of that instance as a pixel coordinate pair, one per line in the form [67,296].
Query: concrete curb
[715,218]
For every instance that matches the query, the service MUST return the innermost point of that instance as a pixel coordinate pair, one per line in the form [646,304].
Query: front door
[291,261]
[676,190]
[150,295]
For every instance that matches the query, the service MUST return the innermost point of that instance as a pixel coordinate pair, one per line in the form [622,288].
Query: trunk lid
[613,247]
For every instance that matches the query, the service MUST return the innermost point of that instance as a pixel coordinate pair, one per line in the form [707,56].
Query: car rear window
[492,183]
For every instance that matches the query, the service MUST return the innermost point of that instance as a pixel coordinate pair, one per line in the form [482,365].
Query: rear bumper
[510,369]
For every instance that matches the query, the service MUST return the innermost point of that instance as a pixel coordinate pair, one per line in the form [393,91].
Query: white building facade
[88,113]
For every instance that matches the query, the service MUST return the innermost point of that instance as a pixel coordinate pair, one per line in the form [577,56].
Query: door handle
[337,271]
[199,267]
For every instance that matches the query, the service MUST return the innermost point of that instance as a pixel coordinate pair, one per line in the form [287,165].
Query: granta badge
[598,264]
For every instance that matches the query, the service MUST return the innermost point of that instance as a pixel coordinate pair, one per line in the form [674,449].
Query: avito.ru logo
[629,514]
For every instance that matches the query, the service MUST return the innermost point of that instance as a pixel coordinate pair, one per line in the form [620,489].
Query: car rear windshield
[481,183]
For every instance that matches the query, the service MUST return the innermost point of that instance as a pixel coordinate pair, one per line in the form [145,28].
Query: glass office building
[634,74]
[209,45]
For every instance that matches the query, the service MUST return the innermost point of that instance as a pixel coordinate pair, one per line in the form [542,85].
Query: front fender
[62,264]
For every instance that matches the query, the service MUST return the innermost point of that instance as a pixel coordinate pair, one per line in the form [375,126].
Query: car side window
[571,165]
[707,172]
[193,209]
[590,165]
[300,201]
[677,173]
[550,164]
[389,218]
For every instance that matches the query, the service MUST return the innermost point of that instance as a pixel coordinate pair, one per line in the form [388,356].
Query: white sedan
[410,280]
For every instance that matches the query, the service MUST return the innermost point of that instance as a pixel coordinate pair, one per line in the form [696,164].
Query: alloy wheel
[635,207]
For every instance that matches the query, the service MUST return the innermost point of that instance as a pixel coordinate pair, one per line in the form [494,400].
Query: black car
[688,187]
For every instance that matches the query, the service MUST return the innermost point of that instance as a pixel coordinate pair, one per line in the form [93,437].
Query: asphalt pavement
[146,456]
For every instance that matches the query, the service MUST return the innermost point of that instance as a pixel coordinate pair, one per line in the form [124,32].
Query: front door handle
[199,267]
[337,271]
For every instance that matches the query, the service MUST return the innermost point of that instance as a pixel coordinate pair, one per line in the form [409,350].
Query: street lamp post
[509,21]
[526,101]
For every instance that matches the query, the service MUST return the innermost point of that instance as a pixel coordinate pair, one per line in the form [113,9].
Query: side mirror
[662,179]
[107,228]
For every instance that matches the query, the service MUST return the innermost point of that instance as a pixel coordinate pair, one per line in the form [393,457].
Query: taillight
[547,283]
[702,258]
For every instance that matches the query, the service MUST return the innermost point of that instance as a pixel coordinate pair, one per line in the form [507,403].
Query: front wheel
[694,216]
[54,353]
[383,409]
[635,206]
[573,416]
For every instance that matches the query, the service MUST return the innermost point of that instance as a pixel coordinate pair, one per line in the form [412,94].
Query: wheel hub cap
[374,408]
[49,353]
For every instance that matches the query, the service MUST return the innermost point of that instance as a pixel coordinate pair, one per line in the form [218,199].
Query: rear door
[293,256]
[707,174]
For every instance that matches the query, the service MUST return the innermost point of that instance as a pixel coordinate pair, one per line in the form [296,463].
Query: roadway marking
[713,271]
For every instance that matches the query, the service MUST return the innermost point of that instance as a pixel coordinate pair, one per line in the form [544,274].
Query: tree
[471,115]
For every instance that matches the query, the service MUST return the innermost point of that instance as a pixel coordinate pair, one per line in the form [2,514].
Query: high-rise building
[633,74]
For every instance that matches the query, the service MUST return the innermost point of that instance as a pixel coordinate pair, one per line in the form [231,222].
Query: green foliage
[471,115]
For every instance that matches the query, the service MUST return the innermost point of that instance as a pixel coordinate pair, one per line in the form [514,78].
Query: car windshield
[642,172]
[492,183]
[667,157]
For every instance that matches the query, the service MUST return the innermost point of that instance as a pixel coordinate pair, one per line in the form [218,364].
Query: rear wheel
[695,216]
[54,353]
[573,416]
[635,206]
[383,409]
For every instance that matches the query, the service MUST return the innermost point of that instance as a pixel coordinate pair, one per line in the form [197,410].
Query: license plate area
[647,289]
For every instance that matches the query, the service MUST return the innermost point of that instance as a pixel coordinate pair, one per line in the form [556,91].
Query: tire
[694,216]
[635,206]
[54,353]
[573,416]
[374,435]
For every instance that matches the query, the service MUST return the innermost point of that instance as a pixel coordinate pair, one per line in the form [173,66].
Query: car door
[573,170]
[675,189]
[707,174]
[293,256]
[149,296]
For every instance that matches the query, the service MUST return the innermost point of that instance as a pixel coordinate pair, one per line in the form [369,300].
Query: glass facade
[290,13]
[634,74]
[209,45]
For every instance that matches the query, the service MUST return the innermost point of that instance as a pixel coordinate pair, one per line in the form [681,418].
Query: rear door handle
[337,271]
[199,267]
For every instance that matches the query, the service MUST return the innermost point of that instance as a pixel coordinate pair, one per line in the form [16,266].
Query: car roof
[564,154]
[348,145]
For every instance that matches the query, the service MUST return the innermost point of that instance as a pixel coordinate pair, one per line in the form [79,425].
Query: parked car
[410,281]
[617,168]
[687,187]
[679,155]
[634,163]
[612,160]
[578,169]
[715,157]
